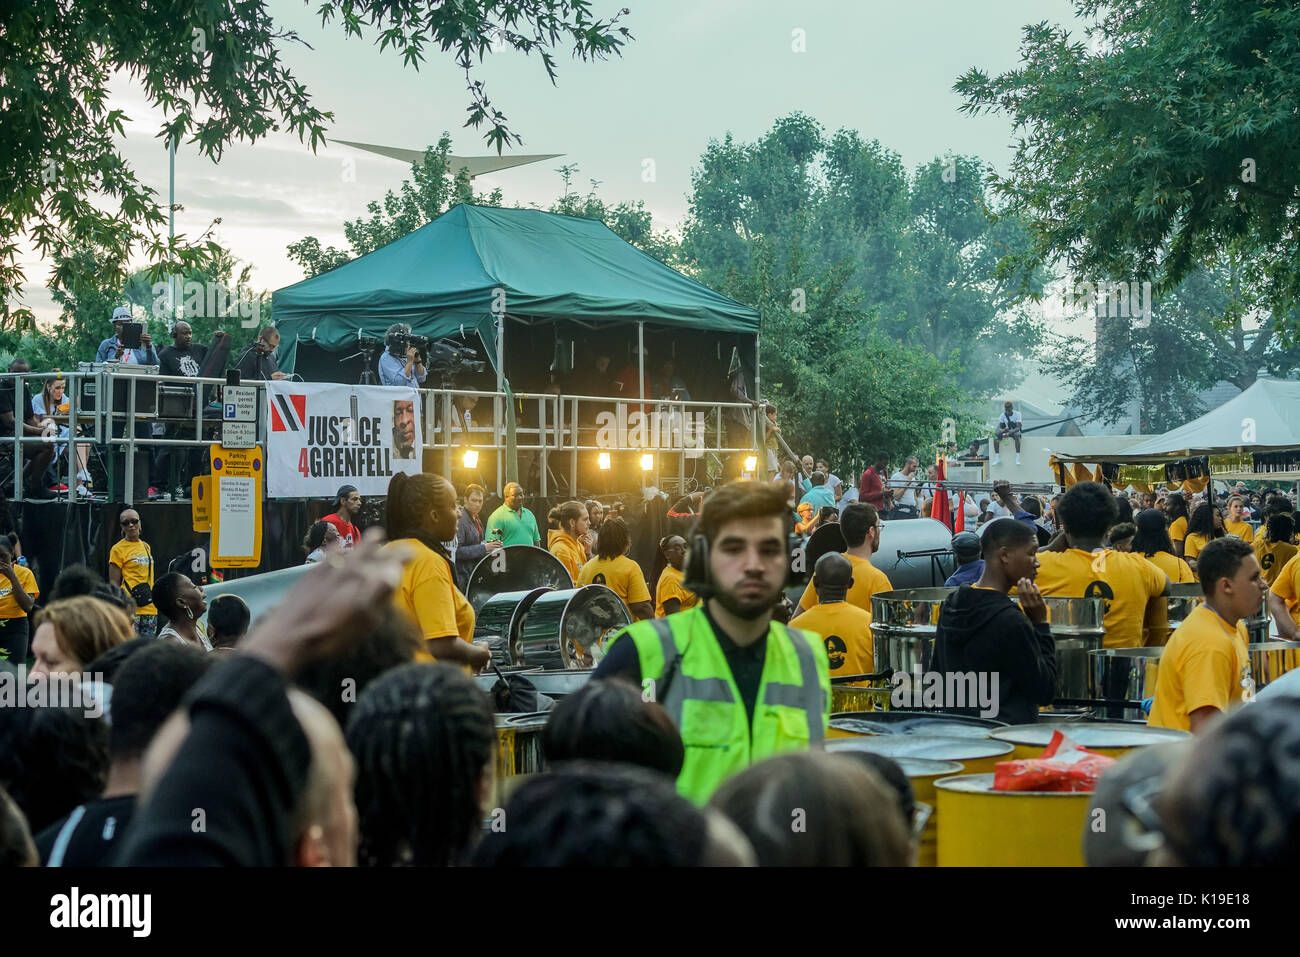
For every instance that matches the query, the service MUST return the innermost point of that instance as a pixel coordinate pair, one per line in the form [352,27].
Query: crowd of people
[344,727]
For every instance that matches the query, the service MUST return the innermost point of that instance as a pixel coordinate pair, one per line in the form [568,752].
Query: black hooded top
[982,630]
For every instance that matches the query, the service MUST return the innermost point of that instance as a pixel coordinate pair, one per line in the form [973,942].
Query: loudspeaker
[141,477]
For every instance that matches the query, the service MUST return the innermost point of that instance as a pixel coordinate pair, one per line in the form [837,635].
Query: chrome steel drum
[529,758]
[1110,738]
[1182,601]
[1270,660]
[488,679]
[497,621]
[558,684]
[1124,674]
[563,628]
[916,722]
[1077,628]
[903,624]
[515,568]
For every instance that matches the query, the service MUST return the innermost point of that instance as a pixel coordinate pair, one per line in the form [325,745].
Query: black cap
[965,547]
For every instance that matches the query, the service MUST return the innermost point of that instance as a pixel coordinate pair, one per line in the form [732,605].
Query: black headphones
[697,577]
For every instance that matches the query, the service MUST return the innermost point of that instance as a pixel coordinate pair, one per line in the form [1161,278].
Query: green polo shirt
[516,528]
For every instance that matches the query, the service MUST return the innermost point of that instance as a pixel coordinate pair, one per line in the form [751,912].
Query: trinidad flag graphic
[289,413]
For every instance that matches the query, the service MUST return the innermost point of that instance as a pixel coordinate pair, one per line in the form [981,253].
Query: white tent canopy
[1265,416]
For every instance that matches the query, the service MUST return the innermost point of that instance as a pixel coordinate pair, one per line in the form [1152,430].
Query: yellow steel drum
[505,747]
[869,695]
[1270,660]
[980,827]
[933,724]
[1114,739]
[975,755]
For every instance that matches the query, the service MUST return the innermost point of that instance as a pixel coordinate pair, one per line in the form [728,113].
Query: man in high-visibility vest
[740,686]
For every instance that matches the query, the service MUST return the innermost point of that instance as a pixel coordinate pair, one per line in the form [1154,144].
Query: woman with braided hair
[424,743]
[422,515]
[671,596]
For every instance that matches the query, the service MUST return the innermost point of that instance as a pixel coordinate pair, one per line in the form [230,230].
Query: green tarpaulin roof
[445,278]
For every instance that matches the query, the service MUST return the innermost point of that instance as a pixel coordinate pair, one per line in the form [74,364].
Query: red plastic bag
[1064,766]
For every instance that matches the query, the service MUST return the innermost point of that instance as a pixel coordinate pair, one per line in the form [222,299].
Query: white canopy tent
[1266,416]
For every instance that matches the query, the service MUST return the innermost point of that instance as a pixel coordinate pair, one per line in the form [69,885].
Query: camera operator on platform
[258,364]
[401,364]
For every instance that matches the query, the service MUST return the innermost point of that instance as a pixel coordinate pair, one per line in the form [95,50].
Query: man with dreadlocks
[424,740]
[421,516]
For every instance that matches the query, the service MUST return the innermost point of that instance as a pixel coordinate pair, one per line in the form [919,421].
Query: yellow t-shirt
[867,580]
[1272,557]
[569,551]
[621,575]
[428,596]
[1179,572]
[1243,530]
[8,604]
[845,630]
[1178,529]
[135,560]
[1287,586]
[1126,580]
[1193,544]
[1205,664]
[670,586]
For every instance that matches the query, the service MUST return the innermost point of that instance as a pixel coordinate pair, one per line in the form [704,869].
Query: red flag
[959,517]
[941,509]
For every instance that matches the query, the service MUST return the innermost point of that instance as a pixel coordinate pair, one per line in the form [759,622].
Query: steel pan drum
[867,695]
[913,722]
[1124,674]
[527,741]
[497,621]
[505,746]
[1184,598]
[828,538]
[488,679]
[1270,660]
[515,568]
[1108,738]
[922,774]
[980,827]
[975,755]
[1077,629]
[558,684]
[903,623]
[562,627]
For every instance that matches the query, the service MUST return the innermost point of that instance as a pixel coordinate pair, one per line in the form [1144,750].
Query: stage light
[471,458]
[751,463]
[603,461]
[647,462]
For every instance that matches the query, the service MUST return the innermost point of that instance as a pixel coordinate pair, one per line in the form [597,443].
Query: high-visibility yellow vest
[684,669]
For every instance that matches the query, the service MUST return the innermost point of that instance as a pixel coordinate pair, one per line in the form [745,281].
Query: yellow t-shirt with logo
[867,580]
[428,596]
[1179,572]
[1287,586]
[569,551]
[135,561]
[845,630]
[1272,557]
[1193,544]
[1126,580]
[1243,530]
[8,603]
[1204,665]
[1178,529]
[670,586]
[621,575]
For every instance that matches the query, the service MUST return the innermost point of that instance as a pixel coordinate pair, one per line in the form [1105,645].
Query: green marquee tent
[456,273]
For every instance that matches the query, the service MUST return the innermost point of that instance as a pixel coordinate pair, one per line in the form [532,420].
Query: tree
[920,249]
[215,71]
[1208,330]
[632,222]
[430,192]
[1169,138]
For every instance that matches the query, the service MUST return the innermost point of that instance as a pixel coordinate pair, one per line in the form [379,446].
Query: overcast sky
[697,70]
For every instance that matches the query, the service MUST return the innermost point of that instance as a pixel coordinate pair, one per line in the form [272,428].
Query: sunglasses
[130,521]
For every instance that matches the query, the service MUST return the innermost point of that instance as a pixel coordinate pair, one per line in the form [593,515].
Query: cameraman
[402,363]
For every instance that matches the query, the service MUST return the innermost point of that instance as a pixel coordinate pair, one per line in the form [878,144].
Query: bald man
[325,820]
[512,524]
[844,628]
